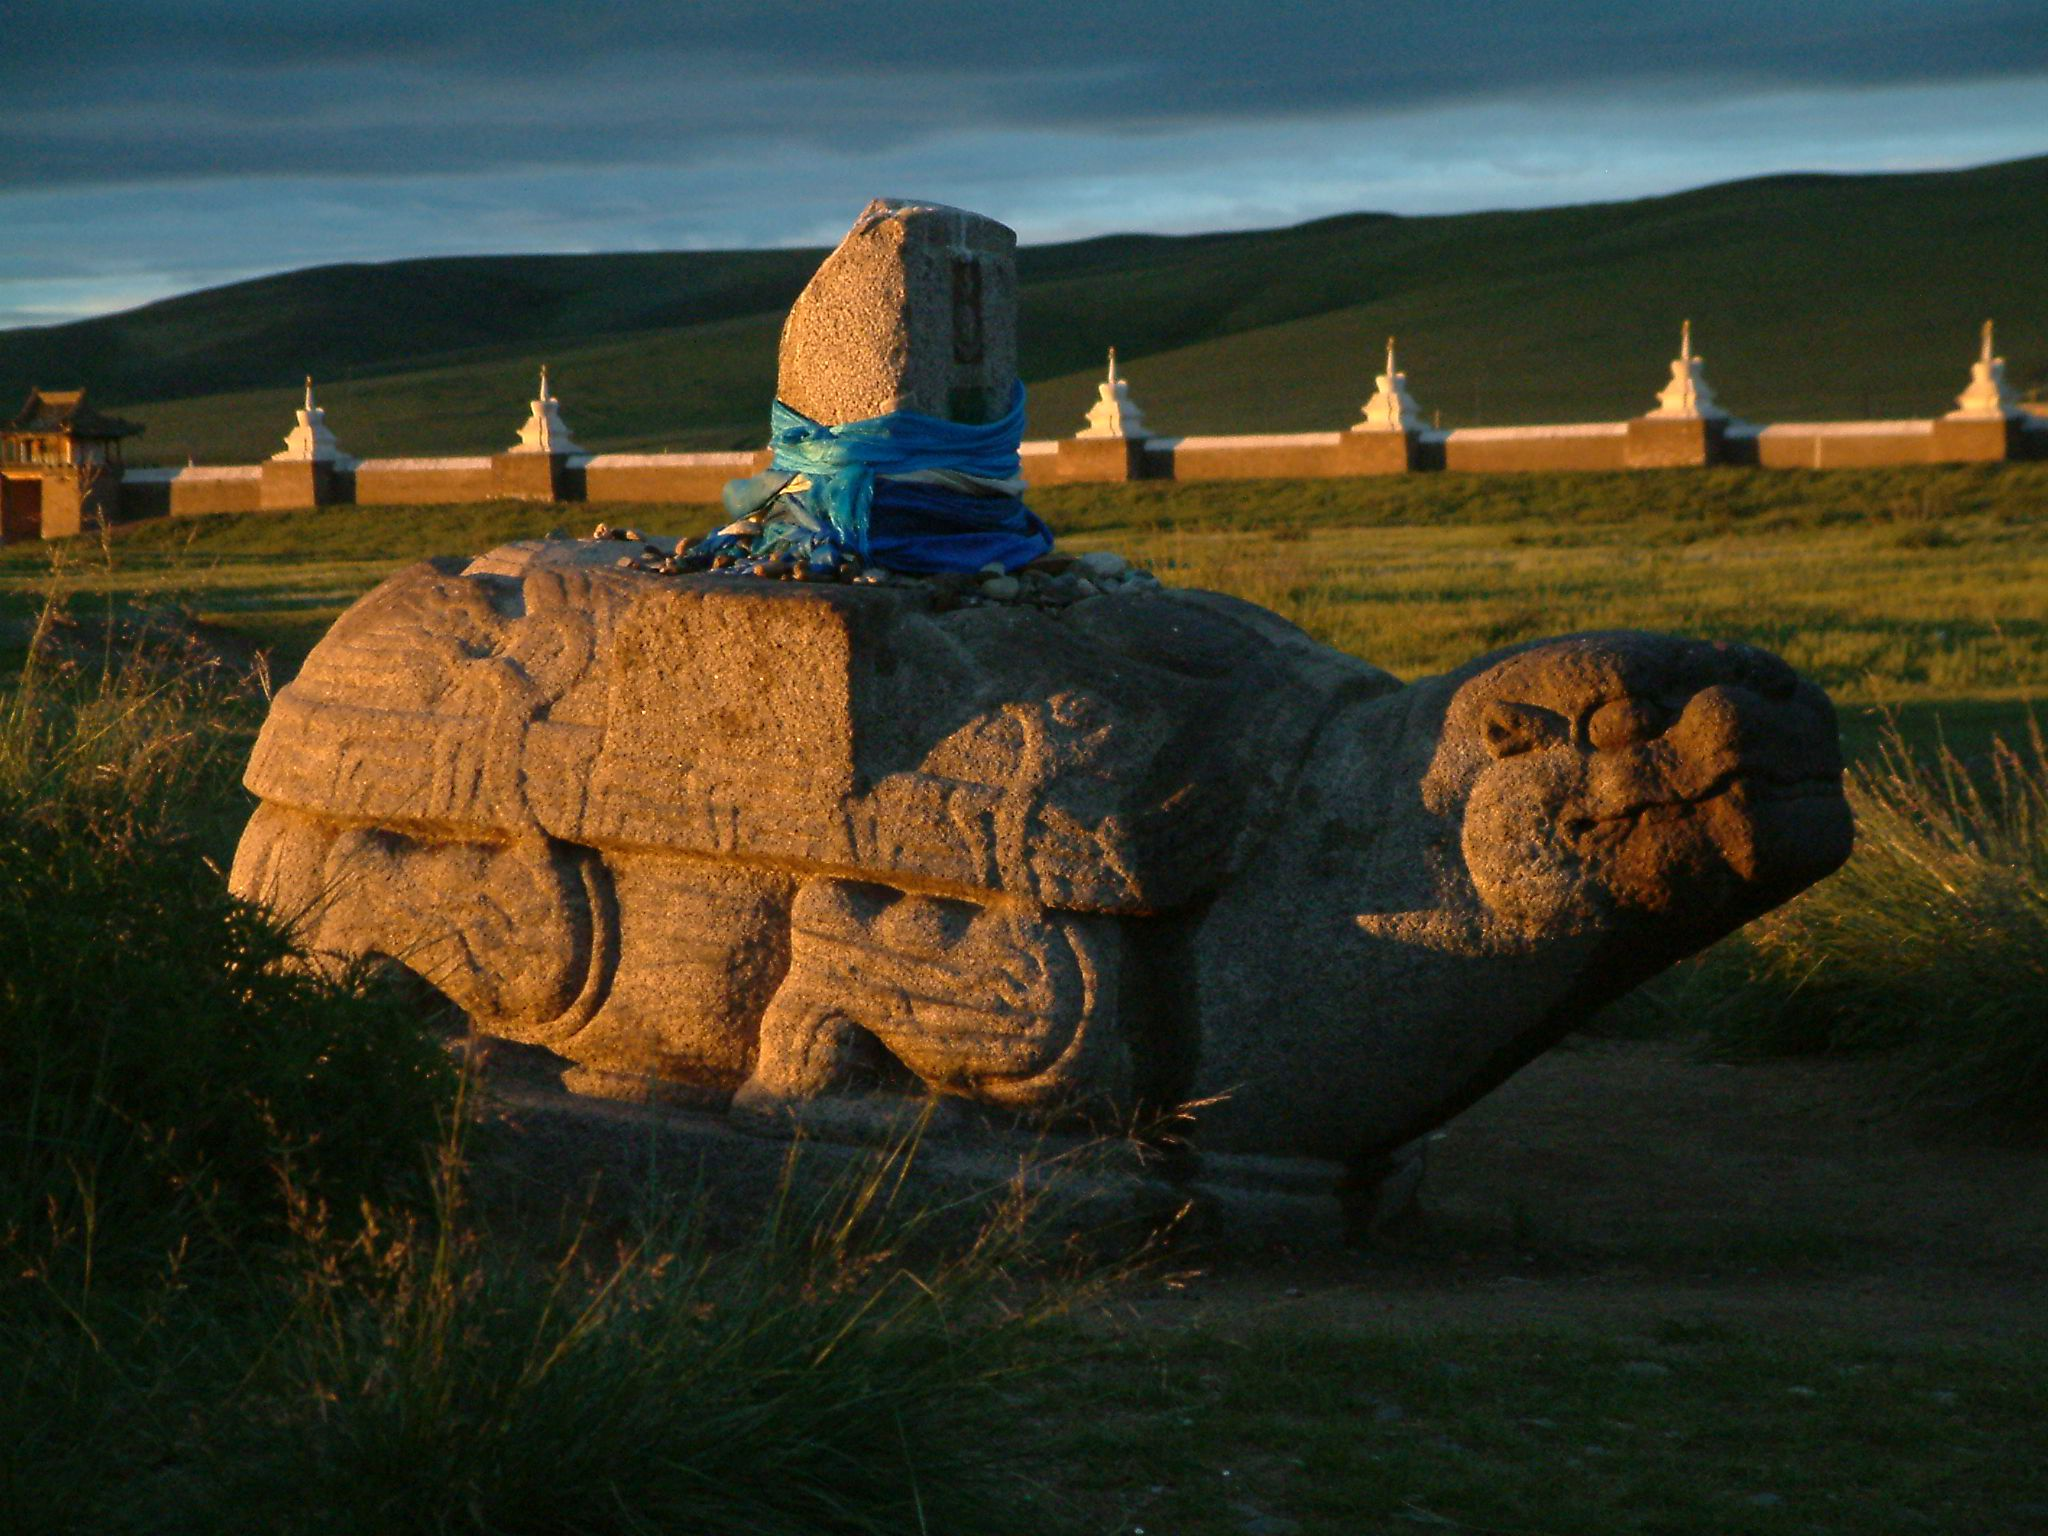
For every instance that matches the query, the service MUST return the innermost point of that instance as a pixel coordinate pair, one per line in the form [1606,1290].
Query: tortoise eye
[1512,728]
[1621,723]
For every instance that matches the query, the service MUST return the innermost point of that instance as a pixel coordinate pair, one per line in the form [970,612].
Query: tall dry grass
[246,1282]
[832,1374]
[159,1061]
[1930,944]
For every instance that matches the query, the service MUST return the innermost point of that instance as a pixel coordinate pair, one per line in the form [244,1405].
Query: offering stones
[1050,582]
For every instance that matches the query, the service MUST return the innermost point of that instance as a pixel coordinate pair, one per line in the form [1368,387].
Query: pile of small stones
[1052,581]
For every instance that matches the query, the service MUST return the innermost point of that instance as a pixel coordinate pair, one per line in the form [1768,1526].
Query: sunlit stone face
[1686,782]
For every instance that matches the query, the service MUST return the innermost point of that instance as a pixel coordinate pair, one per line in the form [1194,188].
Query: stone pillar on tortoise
[1987,423]
[304,472]
[1112,445]
[916,310]
[1688,428]
[1385,439]
[536,468]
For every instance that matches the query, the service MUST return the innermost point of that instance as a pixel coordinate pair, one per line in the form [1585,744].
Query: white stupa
[1114,413]
[545,431]
[1391,408]
[1687,395]
[310,441]
[1989,395]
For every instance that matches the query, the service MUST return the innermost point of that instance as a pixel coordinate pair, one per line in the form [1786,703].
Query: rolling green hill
[1811,297]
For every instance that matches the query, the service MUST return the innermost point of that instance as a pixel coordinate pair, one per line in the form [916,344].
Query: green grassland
[1711,1299]
[1922,590]
[1813,297]
[1672,1430]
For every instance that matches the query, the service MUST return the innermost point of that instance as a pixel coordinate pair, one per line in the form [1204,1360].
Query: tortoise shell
[1112,756]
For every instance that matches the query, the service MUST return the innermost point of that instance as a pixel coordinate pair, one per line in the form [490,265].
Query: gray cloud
[151,146]
[196,90]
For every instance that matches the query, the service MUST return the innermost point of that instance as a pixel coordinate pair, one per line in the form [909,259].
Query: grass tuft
[163,1063]
[811,1380]
[242,1285]
[1931,943]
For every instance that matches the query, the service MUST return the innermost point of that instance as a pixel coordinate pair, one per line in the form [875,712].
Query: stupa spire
[1391,408]
[309,439]
[545,431]
[1988,394]
[1114,413]
[1687,395]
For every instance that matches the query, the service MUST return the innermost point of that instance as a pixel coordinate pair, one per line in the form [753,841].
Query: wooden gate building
[60,466]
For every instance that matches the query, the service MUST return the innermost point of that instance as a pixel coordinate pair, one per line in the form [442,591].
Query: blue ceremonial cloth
[925,528]
[912,526]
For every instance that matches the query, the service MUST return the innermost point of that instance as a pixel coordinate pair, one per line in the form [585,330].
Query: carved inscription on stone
[967,331]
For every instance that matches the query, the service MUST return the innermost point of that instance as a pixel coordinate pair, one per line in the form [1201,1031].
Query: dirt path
[1626,1183]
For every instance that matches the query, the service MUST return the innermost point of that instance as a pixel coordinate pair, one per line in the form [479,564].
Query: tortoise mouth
[1745,785]
[1776,828]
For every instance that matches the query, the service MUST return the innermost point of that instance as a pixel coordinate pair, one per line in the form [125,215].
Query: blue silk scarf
[907,525]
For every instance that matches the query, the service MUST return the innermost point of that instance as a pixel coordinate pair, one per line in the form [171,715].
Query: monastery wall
[423,482]
[1292,456]
[657,477]
[683,478]
[1687,428]
[1510,450]
[193,491]
[1844,444]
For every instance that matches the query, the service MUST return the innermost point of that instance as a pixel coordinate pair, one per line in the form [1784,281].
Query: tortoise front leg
[518,935]
[888,994]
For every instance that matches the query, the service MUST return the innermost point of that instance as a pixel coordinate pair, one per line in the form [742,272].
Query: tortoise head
[1598,776]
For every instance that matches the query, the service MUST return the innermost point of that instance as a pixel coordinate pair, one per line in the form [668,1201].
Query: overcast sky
[149,147]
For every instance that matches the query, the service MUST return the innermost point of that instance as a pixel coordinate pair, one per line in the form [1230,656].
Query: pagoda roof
[65,410]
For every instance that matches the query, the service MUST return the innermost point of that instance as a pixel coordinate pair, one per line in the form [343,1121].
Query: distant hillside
[1811,296]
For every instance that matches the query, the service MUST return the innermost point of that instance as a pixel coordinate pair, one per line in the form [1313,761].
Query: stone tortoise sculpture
[786,848]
